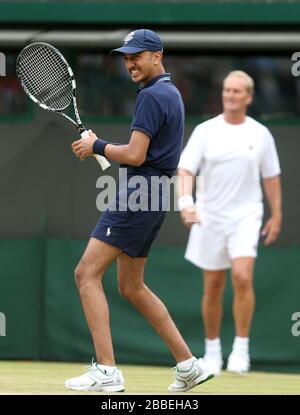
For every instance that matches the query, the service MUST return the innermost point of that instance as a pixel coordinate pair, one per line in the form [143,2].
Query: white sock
[186,364]
[213,346]
[107,369]
[241,344]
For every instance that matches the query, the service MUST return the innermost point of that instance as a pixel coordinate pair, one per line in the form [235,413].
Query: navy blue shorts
[133,231]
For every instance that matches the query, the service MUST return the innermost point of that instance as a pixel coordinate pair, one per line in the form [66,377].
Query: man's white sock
[241,344]
[186,364]
[213,346]
[107,369]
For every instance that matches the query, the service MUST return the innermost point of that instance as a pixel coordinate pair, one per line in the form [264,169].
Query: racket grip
[104,163]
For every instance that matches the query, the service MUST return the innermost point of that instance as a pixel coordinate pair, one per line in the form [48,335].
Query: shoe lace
[92,367]
[175,370]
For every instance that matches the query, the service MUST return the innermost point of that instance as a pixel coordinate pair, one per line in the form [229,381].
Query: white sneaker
[238,363]
[214,362]
[185,380]
[97,379]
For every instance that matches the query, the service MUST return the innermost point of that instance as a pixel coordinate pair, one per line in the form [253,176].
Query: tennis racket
[48,80]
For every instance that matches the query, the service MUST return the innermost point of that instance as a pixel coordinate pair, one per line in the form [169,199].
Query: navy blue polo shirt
[159,113]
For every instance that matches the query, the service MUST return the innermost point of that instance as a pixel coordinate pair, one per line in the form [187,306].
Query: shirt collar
[159,78]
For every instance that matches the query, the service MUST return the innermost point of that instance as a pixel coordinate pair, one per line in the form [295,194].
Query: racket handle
[104,163]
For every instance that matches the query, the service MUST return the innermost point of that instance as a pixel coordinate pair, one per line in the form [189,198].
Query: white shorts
[212,245]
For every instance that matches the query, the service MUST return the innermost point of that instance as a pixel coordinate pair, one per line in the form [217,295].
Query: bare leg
[133,288]
[212,309]
[244,298]
[89,273]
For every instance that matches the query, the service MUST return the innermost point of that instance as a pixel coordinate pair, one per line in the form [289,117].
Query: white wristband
[185,201]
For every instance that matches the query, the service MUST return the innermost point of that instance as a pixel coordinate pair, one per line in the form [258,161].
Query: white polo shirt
[231,159]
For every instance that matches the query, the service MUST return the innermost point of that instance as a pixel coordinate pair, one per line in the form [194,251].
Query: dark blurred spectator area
[12,98]
[105,89]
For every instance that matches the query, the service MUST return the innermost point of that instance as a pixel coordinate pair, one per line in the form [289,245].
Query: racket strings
[35,72]
[45,75]
[47,78]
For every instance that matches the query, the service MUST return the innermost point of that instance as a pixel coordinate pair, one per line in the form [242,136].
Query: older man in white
[232,152]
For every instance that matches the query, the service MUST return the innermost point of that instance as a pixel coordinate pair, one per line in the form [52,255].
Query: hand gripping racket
[48,80]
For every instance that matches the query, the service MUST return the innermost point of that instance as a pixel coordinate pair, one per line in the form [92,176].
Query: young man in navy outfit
[126,235]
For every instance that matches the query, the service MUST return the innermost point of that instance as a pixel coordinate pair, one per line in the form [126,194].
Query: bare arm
[272,188]
[134,153]
[188,210]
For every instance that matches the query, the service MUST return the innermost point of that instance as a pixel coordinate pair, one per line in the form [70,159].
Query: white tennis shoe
[186,380]
[214,362]
[97,379]
[238,363]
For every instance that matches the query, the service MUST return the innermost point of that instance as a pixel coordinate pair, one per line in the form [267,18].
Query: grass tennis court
[40,378]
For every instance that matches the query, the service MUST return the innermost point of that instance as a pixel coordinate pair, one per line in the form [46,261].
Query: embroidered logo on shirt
[108,232]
